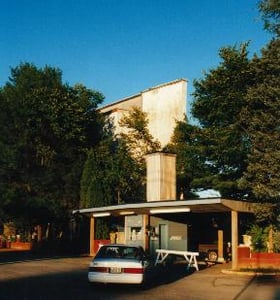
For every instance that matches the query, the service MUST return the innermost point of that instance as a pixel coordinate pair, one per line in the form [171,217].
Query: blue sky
[121,47]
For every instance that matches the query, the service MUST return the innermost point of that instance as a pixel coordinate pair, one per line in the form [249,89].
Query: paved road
[66,278]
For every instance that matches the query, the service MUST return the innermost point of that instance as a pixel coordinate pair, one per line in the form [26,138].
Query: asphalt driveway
[66,278]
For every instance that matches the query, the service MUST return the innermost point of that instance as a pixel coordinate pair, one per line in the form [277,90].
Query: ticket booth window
[135,233]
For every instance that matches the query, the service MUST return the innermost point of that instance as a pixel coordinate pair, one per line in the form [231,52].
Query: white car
[116,263]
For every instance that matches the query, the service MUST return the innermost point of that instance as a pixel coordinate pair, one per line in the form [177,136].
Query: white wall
[165,104]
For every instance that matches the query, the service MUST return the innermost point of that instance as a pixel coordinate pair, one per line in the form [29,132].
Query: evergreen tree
[221,144]
[270,10]
[261,119]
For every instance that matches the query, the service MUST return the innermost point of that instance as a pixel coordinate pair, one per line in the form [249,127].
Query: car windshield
[126,252]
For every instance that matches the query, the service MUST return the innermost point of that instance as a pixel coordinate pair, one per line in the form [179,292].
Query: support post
[91,237]
[221,246]
[39,233]
[234,238]
[146,223]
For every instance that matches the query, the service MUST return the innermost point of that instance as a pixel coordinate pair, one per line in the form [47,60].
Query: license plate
[115,270]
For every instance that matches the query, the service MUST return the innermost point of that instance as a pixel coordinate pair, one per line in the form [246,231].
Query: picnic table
[188,255]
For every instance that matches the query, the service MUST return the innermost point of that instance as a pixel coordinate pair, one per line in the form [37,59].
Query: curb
[233,272]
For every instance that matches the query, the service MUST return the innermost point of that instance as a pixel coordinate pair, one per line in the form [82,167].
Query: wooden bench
[189,256]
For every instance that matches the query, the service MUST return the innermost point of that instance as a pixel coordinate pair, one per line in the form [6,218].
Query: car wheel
[212,255]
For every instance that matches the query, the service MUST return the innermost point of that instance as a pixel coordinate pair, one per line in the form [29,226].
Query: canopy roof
[207,205]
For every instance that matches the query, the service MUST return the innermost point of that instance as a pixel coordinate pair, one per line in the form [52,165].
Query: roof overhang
[207,205]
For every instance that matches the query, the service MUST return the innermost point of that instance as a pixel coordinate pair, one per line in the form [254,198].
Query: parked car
[210,251]
[115,263]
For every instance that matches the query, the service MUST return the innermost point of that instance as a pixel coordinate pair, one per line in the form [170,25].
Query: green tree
[136,135]
[96,188]
[46,129]
[190,164]
[114,172]
[261,119]
[270,10]
[221,144]
[137,143]
[110,176]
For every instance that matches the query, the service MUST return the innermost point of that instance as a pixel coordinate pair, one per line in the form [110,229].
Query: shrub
[276,241]
[259,238]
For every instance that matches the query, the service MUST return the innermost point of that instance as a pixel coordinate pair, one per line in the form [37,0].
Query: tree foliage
[219,96]
[110,176]
[236,145]
[261,119]
[114,172]
[214,153]
[136,134]
[46,128]
[270,10]
[190,165]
